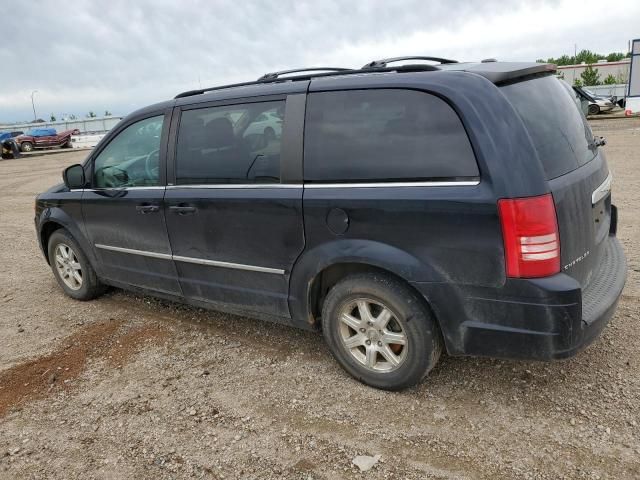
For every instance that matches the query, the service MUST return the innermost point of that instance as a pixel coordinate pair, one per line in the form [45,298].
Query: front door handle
[147,208]
[183,209]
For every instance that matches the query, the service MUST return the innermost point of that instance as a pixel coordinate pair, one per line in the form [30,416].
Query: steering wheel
[112,177]
[152,165]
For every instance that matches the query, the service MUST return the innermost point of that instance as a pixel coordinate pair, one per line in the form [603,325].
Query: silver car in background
[597,104]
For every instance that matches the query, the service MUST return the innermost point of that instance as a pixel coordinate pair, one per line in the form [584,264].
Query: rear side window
[384,135]
[230,144]
[559,130]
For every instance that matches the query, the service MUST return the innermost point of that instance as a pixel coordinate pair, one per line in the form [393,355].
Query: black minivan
[402,210]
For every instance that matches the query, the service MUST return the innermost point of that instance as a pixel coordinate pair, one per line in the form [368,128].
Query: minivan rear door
[234,204]
[575,166]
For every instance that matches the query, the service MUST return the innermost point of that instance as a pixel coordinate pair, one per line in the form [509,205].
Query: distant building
[620,70]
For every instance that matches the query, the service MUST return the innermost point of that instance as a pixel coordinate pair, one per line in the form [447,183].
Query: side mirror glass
[73,176]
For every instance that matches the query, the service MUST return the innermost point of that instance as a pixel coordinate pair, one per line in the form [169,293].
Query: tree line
[590,76]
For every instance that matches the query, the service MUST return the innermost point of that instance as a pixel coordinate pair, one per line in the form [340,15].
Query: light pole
[35,117]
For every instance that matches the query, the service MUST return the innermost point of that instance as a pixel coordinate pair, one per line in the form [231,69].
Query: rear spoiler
[503,72]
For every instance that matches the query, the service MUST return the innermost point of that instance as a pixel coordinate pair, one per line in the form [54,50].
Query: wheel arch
[54,219]
[46,230]
[318,270]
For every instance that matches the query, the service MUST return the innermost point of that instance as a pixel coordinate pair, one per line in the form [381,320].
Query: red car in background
[45,138]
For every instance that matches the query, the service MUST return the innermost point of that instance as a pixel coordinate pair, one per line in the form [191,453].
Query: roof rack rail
[270,77]
[276,75]
[200,91]
[383,63]
[329,72]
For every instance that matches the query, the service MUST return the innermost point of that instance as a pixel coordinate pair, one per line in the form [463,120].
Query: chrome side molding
[234,186]
[198,261]
[163,256]
[444,183]
[235,266]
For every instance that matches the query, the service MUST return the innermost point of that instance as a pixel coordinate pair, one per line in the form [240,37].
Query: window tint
[132,158]
[560,133]
[384,135]
[230,144]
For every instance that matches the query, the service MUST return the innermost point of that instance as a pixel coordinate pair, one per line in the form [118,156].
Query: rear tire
[71,268]
[594,109]
[26,147]
[393,344]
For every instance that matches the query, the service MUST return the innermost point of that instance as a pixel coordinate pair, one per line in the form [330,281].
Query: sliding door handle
[183,210]
[147,209]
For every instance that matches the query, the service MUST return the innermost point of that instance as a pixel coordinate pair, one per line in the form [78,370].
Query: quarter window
[230,144]
[132,158]
[384,135]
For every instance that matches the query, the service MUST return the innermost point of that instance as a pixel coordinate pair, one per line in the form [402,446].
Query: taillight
[530,235]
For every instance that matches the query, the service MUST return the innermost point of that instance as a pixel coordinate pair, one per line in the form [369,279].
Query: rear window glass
[559,130]
[230,144]
[384,135]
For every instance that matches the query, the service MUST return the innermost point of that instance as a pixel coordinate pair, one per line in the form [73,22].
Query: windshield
[558,129]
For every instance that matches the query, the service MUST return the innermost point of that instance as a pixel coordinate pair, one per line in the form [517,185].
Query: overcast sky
[121,55]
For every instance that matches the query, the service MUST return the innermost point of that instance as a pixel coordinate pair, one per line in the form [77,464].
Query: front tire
[71,268]
[26,147]
[380,331]
[594,109]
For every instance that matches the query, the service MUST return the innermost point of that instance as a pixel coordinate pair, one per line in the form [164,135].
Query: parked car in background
[597,104]
[268,124]
[4,135]
[8,146]
[45,138]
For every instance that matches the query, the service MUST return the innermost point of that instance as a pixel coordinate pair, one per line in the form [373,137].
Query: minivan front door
[123,212]
[234,216]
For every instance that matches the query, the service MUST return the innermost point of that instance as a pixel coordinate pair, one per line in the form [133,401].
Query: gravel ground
[131,387]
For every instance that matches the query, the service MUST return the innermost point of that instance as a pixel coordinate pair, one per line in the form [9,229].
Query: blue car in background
[6,135]
[8,146]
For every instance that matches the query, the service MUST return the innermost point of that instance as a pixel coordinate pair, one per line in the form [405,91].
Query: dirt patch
[36,378]
[132,342]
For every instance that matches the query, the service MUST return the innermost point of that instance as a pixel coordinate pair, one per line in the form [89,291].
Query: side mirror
[73,176]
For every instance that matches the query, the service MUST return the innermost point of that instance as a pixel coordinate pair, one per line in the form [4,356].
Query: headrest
[219,133]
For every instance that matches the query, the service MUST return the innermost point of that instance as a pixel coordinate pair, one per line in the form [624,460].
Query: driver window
[132,158]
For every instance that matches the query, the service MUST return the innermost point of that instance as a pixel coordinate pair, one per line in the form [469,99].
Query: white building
[620,70]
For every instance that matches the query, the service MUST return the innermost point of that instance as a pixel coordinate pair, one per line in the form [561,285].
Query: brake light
[530,235]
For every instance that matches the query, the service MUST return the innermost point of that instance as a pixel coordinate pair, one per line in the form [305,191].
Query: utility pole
[33,105]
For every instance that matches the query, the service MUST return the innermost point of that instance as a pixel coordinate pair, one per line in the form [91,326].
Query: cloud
[122,55]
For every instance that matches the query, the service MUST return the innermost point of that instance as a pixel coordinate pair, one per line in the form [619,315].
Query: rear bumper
[537,319]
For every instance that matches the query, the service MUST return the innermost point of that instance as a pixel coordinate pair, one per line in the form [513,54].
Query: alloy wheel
[68,266]
[373,335]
